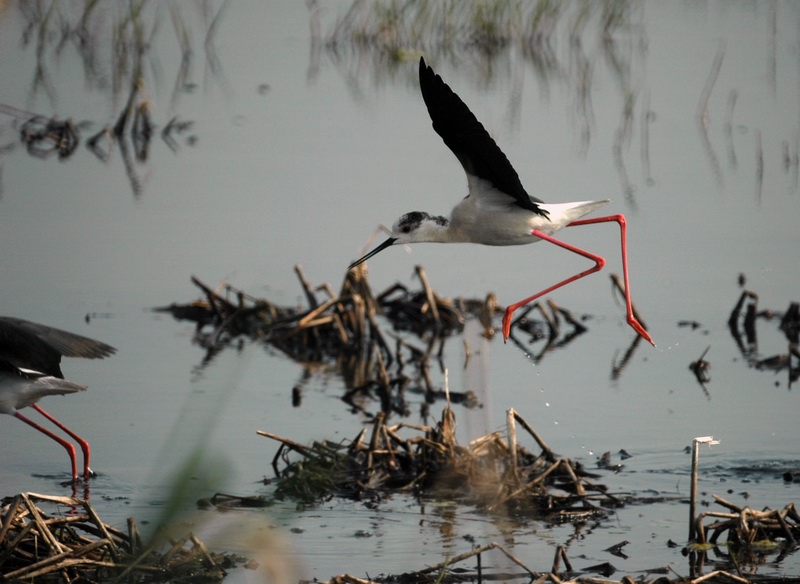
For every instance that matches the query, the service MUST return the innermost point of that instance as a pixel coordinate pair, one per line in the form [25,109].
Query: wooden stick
[51,540]
[312,300]
[511,430]
[430,296]
[716,573]
[473,552]
[542,444]
[693,492]
[296,446]
[578,486]
[10,516]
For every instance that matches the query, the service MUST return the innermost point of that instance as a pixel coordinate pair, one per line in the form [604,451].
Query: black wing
[475,149]
[30,345]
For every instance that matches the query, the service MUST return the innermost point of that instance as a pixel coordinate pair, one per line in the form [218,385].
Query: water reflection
[742,324]
[572,44]
[119,47]
[118,44]
[556,336]
[132,133]
[567,44]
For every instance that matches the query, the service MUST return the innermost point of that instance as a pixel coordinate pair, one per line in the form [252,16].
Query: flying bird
[30,357]
[497,210]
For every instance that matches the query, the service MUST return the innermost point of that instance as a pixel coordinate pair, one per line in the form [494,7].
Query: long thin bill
[389,242]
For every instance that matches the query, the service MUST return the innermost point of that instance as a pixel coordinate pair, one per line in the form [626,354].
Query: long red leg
[599,263]
[87,472]
[70,448]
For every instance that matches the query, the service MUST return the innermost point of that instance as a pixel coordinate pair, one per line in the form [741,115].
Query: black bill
[389,242]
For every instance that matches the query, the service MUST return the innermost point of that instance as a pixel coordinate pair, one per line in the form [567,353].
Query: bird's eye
[406,229]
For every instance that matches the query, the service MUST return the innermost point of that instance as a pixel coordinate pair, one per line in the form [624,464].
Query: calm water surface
[299,148]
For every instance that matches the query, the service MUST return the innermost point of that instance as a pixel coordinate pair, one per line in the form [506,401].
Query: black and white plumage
[30,369]
[497,209]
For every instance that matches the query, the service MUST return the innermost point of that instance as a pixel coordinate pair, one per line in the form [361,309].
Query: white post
[693,493]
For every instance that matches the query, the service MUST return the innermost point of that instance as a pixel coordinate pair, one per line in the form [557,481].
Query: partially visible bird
[30,358]
[497,210]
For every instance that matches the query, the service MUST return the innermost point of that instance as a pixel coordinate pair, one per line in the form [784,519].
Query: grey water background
[300,147]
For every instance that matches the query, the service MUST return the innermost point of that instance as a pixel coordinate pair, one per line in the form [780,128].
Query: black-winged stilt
[30,354]
[497,210]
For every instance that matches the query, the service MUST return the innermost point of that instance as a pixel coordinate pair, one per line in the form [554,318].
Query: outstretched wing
[475,149]
[30,345]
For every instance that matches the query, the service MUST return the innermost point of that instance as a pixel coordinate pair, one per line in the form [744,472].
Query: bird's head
[418,227]
[413,227]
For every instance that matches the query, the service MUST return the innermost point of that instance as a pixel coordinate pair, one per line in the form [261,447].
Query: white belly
[512,225]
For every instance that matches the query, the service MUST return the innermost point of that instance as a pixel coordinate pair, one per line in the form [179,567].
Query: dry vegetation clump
[749,532]
[330,324]
[347,331]
[68,542]
[493,472]
[343,331]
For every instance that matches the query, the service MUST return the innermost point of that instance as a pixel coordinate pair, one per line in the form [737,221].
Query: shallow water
[299,149]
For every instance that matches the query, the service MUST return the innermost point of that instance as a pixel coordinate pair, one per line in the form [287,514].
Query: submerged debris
[70,543]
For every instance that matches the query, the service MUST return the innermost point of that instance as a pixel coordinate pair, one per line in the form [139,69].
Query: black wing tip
[99,351]
[26,333]
[425,72]
[427,76]
[444,105]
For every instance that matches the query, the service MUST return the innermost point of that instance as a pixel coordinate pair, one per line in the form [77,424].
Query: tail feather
[562,214]
[27,387]
[56,386]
